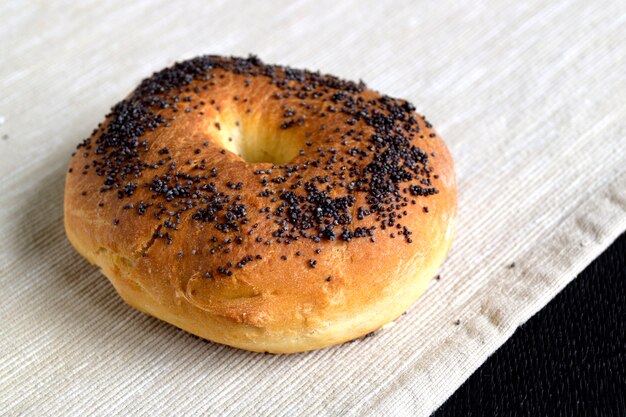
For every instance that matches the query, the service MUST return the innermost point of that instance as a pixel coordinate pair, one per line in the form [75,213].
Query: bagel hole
[255,143]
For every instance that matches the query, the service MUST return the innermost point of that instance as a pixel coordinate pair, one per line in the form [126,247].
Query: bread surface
[263,207]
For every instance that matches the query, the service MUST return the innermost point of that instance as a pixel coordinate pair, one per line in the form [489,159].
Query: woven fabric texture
[567,360]
[530,97]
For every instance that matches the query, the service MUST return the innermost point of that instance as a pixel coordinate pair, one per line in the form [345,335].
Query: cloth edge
[578,228]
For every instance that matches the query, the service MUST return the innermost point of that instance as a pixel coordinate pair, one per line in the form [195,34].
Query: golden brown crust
[209,268]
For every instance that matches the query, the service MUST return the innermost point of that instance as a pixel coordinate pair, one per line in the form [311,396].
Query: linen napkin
[529,96]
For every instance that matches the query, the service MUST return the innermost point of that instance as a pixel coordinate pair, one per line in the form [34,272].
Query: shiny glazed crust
[207,195]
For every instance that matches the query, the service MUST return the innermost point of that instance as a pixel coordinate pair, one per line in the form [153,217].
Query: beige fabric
[530,97]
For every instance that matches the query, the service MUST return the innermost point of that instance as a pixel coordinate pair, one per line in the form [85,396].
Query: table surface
[568,360]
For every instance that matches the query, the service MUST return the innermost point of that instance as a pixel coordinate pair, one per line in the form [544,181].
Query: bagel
[263,207]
